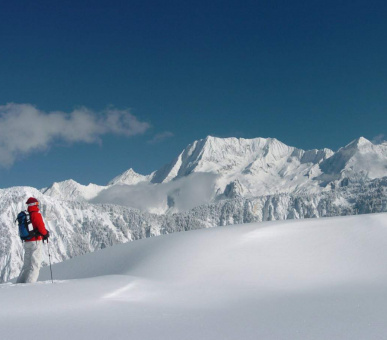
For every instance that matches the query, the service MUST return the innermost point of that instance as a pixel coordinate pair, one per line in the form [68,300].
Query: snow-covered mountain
[72,190]
[233,157]
[267,166]
[244,168]
[130,177]
[213,182]
[360,158]
[254,167]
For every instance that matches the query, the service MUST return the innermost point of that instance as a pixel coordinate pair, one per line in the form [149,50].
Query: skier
[33,246]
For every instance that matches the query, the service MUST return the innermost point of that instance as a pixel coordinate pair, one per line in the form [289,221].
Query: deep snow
[300,279]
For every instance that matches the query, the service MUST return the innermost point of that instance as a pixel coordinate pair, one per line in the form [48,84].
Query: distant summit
[129,177]
[72,190]
[359,158]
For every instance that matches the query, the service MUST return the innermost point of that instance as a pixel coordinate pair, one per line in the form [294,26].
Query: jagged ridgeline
[213,182]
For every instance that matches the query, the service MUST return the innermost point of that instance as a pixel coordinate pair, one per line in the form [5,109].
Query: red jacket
[37,222]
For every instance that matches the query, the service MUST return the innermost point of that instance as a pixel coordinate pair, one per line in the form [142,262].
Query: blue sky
[309,73]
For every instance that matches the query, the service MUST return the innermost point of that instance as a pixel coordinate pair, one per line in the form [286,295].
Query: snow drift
[312,279]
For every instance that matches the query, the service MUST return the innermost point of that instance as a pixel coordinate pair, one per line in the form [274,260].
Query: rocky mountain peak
[129,177]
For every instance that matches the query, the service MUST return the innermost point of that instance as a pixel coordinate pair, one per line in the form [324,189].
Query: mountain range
[221,168]
[212,182]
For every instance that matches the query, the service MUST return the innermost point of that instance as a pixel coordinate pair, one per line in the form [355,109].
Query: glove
[45,237]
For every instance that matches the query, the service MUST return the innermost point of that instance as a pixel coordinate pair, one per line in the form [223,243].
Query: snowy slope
[76,227]
[313,279]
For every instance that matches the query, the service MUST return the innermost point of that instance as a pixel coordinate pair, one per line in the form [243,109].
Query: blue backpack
[26,230]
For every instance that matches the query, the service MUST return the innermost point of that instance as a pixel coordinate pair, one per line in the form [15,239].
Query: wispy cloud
[24,128]
[158,138]
[182,194]
[379,139]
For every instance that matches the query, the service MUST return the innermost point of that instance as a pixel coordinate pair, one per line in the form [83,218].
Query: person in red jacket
[33,246]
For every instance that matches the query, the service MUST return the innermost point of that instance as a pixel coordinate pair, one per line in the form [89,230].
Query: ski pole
[49,259]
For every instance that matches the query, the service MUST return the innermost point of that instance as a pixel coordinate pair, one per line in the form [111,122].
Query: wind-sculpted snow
[316,279]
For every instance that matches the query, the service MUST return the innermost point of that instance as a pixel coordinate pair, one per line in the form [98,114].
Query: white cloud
[379,139]
[182,194]
[24,128]
[160,137]
[123,123]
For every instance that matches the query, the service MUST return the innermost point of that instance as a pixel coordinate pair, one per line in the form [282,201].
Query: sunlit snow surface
[311,279]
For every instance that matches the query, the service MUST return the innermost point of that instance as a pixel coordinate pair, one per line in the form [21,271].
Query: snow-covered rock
[260,164]
[129,177]
[360,158]
[72,190]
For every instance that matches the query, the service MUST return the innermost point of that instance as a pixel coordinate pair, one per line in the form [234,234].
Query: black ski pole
[49,259]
